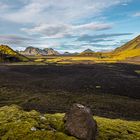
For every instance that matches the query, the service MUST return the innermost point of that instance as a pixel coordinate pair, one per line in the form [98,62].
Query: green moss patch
[17,124]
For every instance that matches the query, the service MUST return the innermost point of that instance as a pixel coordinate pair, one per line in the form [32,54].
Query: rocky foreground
[17,124]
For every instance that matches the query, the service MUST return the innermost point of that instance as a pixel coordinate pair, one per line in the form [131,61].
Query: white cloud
[27,14]
[62,30]
[50,30]
[49,11]
[55,19]
[137,14]
[94,26]
[4,6]
[12,39]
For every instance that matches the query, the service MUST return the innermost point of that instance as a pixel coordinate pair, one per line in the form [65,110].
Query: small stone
[98,87]
[33,129]
[42,118]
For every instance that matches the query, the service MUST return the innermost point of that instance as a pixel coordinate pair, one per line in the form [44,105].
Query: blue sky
[69,25]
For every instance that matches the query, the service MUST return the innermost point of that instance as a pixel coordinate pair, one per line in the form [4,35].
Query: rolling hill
[9,55]
[128,51]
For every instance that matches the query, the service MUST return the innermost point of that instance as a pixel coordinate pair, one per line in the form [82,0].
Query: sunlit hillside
[128,50]
[7,54]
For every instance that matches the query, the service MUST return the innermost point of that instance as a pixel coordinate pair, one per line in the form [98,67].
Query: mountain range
[130,50]
[32,51]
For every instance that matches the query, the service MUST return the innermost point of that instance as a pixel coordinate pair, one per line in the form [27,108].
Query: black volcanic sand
[111,90]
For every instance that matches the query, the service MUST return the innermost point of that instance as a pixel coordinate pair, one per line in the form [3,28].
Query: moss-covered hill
[16,124]
[9,55]
[128,50]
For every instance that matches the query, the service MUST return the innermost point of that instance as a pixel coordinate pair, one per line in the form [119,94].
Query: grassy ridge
[16,124]
[126,54]
[128,50]
[7,54]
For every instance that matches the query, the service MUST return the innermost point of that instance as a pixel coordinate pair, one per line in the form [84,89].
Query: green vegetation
[16,124]
[116,129]
[79,59]
[137,71]
[128,50]
[9,55]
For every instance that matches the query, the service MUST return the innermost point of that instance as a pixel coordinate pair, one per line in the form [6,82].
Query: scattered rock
[98,87]
[33,129]
[42,118]
[79,123]
[129,132]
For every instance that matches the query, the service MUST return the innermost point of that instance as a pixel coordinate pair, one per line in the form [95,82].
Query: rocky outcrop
[79,123]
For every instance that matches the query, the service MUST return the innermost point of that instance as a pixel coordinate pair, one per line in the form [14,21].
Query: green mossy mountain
[128,50]
[17,124]
[133,44]
[9,55]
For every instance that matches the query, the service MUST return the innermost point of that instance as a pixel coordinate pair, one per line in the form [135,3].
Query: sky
[69,25]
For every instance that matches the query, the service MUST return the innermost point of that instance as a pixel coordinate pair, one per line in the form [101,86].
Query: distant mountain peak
[88,50]
[30,47]
[48,49]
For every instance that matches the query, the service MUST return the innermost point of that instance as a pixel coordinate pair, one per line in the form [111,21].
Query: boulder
[79,123]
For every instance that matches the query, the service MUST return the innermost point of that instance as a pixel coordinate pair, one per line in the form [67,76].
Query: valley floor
[110,90]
